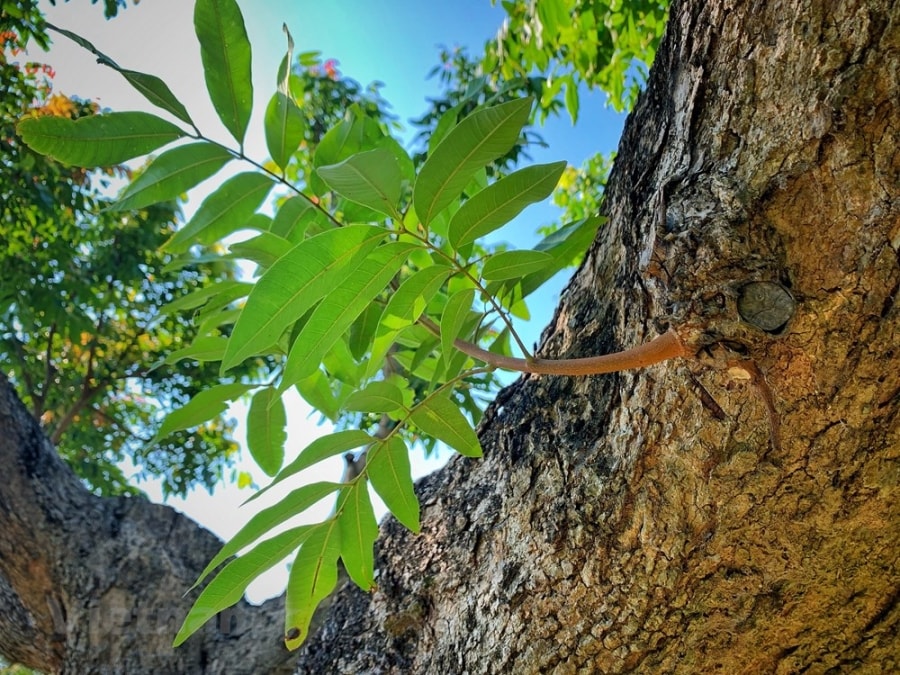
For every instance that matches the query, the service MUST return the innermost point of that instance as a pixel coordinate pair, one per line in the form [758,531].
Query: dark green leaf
[172,174]
[97,140]
[225,52]
[455,314]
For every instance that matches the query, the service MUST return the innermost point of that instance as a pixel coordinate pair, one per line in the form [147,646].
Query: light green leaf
[229,288]
[565,245]
[514,264]
[476,141]
[284,128]
[154,89]
[453,318]
[317,391]
[206,405]
[224,211]
[293,217]
[388,468]
[298,280]
[225,52]
[439,417]
[203,348]
[263,249]
[97,140]
[359,529]
[172,174]
[313,577]
[229,585]
[377,397]
[340,308]
[363,331]
[320,449]
[502,201]
[369,178]
[266,435]
[266,520]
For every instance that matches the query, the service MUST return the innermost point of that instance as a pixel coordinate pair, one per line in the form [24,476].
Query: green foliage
[607,44]
[374,292]
[81,289]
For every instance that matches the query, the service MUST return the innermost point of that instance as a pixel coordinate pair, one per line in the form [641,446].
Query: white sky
[397,47]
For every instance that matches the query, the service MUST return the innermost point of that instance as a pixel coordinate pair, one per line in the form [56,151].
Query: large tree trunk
[733,512]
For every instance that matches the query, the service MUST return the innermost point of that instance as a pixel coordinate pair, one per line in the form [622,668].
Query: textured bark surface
[734,512]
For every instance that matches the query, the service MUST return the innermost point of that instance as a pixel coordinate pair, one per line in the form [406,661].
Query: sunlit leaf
[172,174]
[313,577]
[266,433]
[203,348]
[228,587]
[225,51]
[228,289]
[299,279]
[454,316]
[293,217]
[224,211]
[97,140]
[514,264]
[479,139]
[388,468]
[502,201]
[206,405]
[359,529]
[263,249]
[377,397]
[439,417]
[284,126]
[369,178]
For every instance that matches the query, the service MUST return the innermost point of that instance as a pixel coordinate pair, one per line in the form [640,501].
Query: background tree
[634,521]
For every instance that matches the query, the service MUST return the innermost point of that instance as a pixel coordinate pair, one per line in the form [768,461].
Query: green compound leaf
[224,211]
[388,468]
[369,178]
[229,585]
[297,281]
[359,530]
[266,433]
[284,128]
[514,264]
[206,405]
[98,140]
[263,522]
[473,143]
[172,174]
[439,417]
[225,52]
[502,201]
[340,308]
[377,397]
[313,577]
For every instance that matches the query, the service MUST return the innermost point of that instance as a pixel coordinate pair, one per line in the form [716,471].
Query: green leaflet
[359,529]
[376,397]
[313,577]
[284,128]
[225,52]
[263,522]
[479,139]
[388,468]
[297,281]
[455,314]
[369,178]
[204,406]
[229,288]
[438,416]
[340,308]
[502,201]
[266,433]
[224,211]
[203,348]
[98,140]
[320,449]
[294,217]
[514,264]
[172,174]
[263,249]
[154,89]
[228,587]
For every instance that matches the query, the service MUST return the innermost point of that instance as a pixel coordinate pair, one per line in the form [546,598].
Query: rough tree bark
[732,512]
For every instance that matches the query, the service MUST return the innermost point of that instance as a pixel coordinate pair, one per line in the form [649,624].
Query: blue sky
[396,43]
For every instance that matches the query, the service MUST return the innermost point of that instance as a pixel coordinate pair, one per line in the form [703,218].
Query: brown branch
[666,346]
[40,400]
